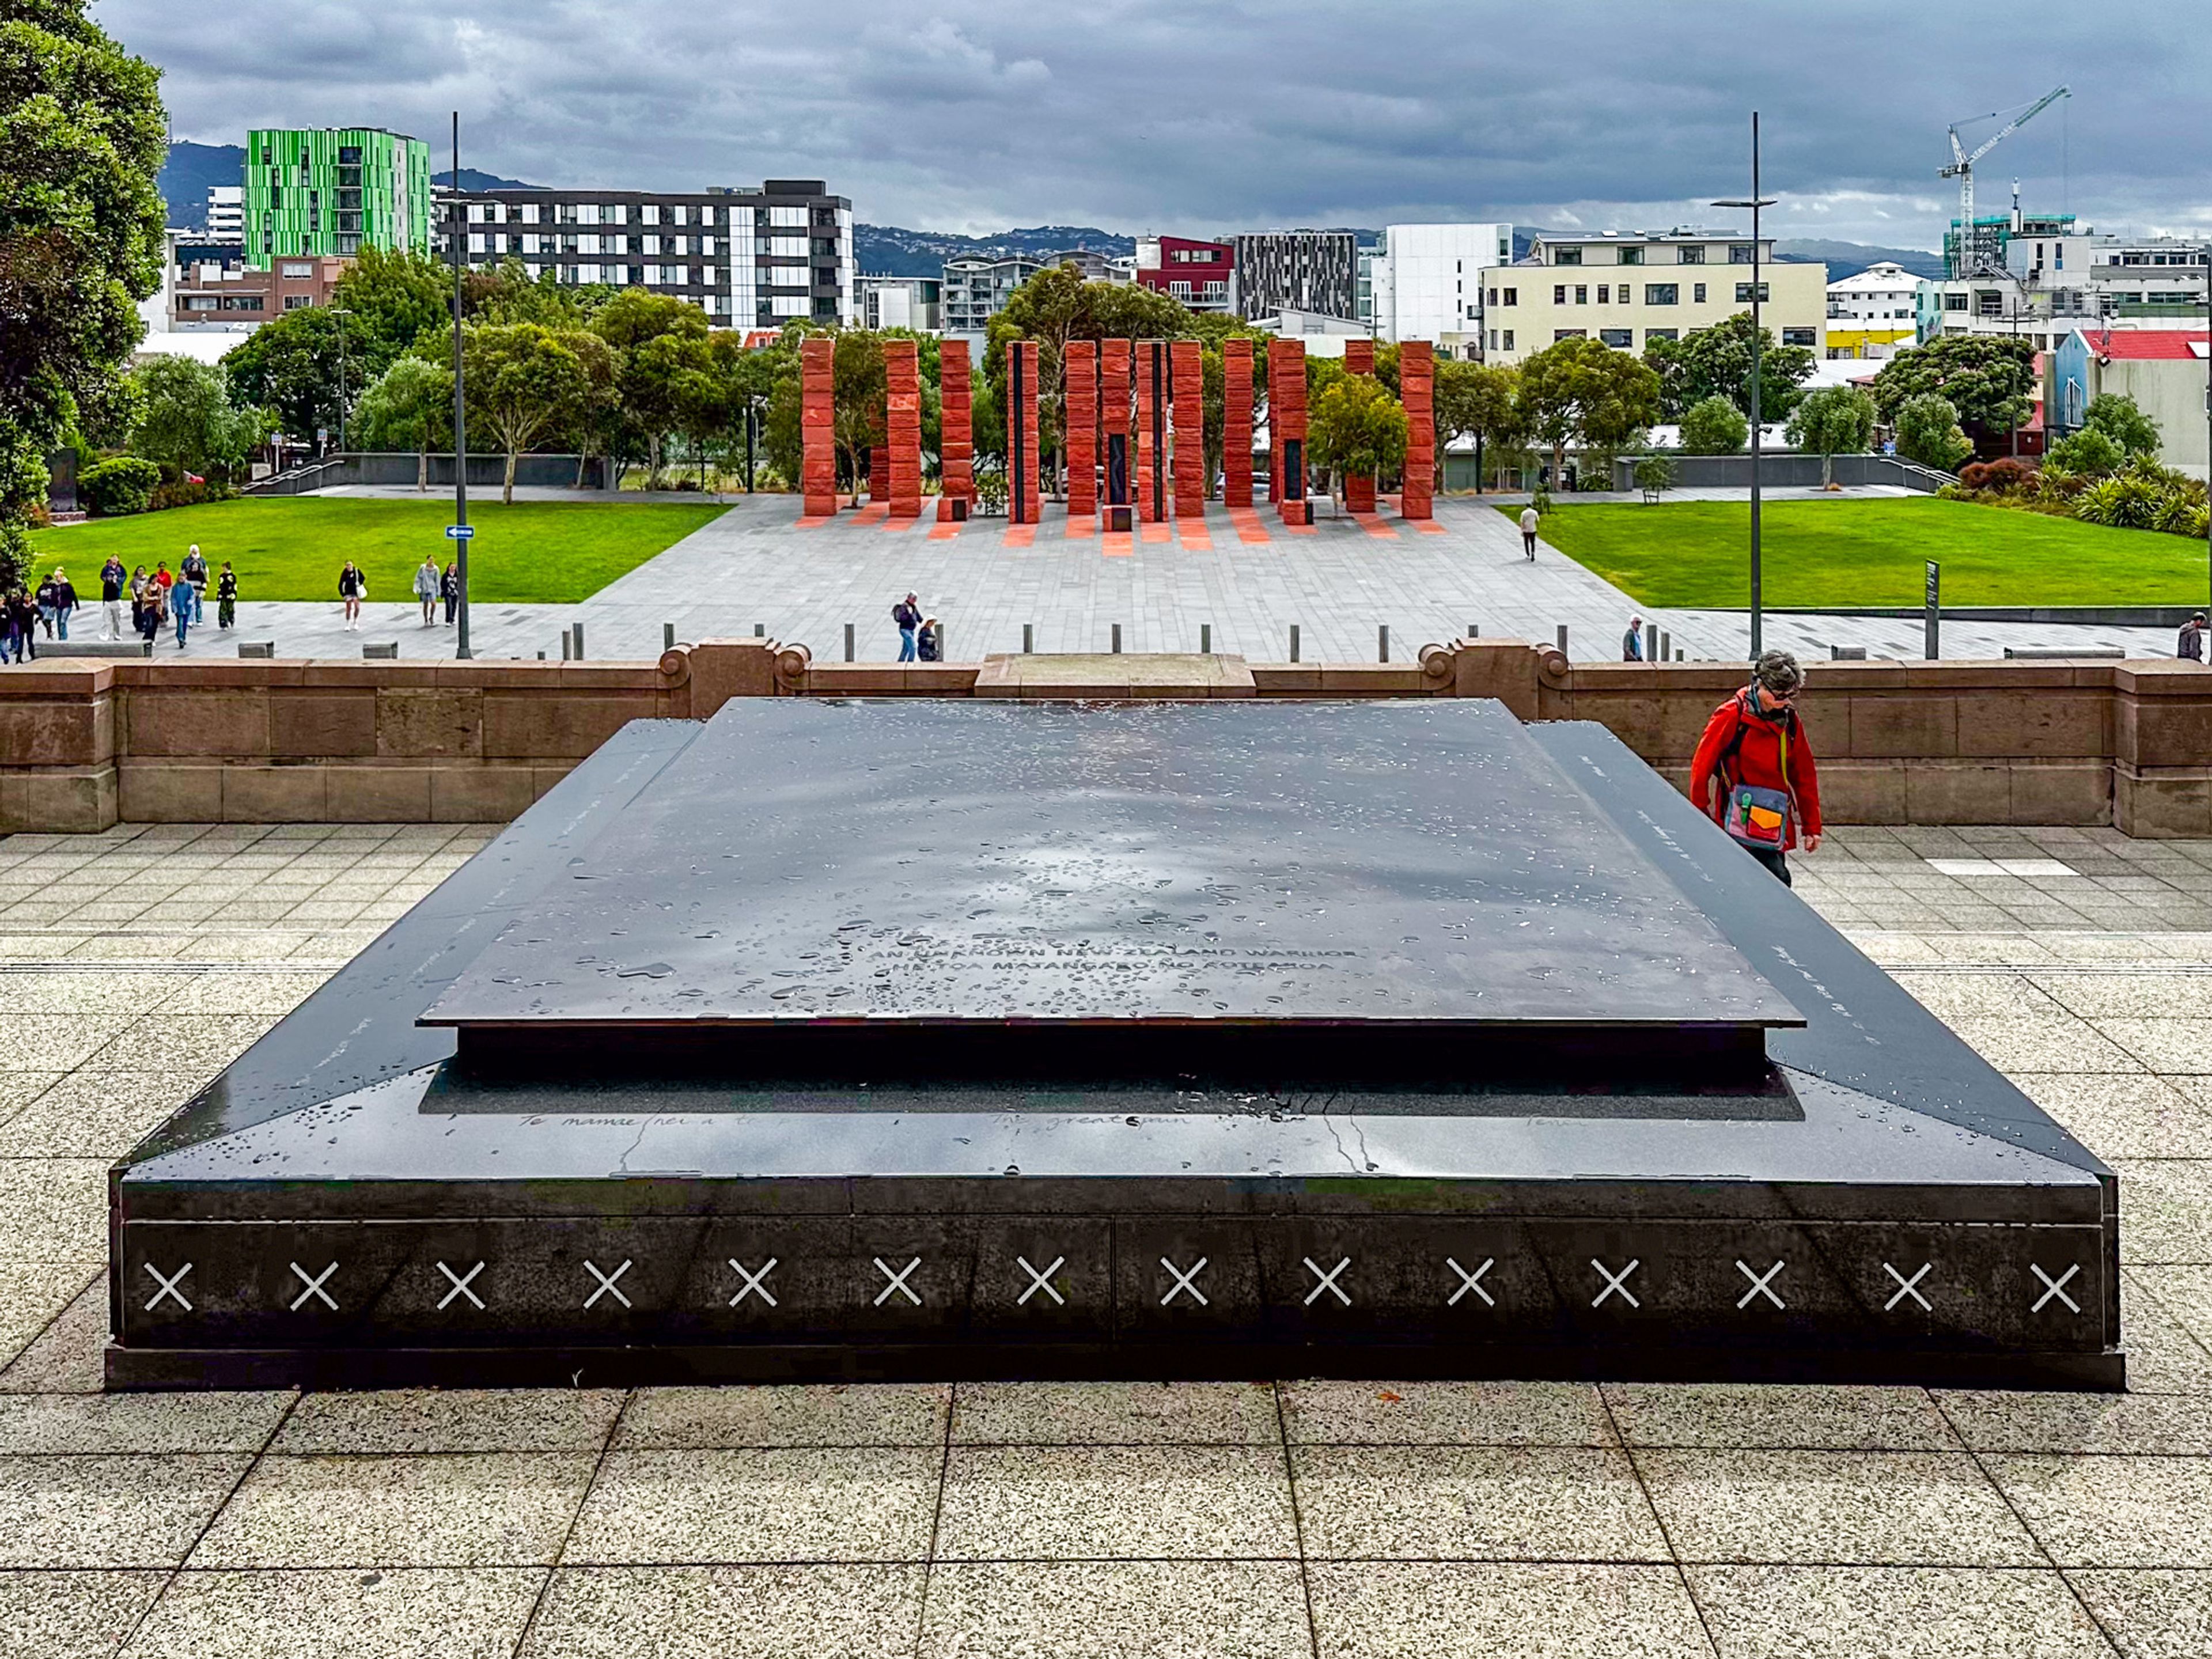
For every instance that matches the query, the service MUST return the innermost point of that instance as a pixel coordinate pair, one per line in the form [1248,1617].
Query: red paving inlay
[1375,526]
[944,531]
[1081,526]
[1196,538]
[873,513]
[1019,535]
[1120,544]
[1250,530]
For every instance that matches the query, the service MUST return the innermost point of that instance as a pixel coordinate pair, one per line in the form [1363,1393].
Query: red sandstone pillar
[902,427]
[1360,488]
[1236,422]
[1114,425]
[1187,372]
[1151,429]
[818,427]
[1286,425]
[1023,503]
[956,443]
[1079,380]
[1417,390]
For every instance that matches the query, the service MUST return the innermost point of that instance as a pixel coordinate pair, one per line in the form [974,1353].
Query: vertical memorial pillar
[956,443]
[1151,431]
[1186,373]
[817,417]
[1360,488]
[1236,423]
[1417,390]
[1079,377]
[1113,415]
[902,427]
[1286,426]
[1022,505]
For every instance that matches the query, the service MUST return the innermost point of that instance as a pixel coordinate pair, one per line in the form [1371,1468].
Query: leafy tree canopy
[405,299]
[1928,431]
[2121,419]
[187,420]
[1356,427]
[524,382]
[1836,420]
[1714,426]
[1987,378]
[1715,361]
[1582,391]
[82,134]
[298,365]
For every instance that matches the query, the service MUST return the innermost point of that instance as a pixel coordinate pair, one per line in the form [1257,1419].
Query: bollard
[541,656]
[577,628]
[1383,643]
[848,641]
[1563,637]
[1678,654]
[1117,639]
[1206,639]
[760,631]
[668,636]
[1294,641]
[1474,631]
[1665,645]
[1029,638]
[564,644]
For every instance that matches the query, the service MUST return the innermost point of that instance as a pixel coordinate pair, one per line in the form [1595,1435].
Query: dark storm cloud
[1197,116]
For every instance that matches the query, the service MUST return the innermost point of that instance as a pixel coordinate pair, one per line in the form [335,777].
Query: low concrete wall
[85,747]
[1783,470]
[400,467]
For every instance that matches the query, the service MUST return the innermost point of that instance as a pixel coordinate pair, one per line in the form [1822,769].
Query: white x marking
[751,1285]
[897,1281]
[1907,1287]
[2056,1287]
[606,1283]
[1040,1281]
[1182,1281]
[168,1287]
[460,1283]
[1327,1281]
[1470,1281]
[1613,1283]
[314,1284]
[1760,1285]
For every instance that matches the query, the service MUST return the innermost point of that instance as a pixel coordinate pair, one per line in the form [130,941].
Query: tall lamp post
[1754,202]
[340,313]
[458,232]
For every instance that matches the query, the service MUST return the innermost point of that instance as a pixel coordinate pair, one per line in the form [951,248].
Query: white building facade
[1873,313]
[226,213]
[1426,283]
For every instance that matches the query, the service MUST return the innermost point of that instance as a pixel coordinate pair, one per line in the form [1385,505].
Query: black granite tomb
[853,1040]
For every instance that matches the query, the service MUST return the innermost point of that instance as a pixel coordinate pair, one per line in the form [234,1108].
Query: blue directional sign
[460,532]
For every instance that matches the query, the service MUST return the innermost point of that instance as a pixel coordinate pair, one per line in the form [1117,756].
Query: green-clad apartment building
[334,191]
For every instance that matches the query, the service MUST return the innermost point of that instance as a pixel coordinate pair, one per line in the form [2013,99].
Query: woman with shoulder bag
[1753,773]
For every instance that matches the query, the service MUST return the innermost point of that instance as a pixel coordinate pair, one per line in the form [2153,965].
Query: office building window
[298,271]
[1661,293]
[1620,340]
[297,302]
[1631,256]
[1743,253]
[1691,254]
[1509,339]
[1604,294]
[1743,294]
[1559,334]
[1559,294]
[1798,336]
[1581,294]
[1651,334]
[1697,292]
[1567,255]
[1512,296]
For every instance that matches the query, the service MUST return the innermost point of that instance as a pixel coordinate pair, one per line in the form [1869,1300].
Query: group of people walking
[920,638]
[24,615]
[162,597]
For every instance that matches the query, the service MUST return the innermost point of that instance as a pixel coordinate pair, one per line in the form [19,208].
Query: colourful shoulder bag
[1756,816]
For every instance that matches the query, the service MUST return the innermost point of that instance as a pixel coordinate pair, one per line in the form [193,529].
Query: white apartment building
[2052,285]
[1874,312]
[910,302]
[1426,283]
[226,213]
[1630,288]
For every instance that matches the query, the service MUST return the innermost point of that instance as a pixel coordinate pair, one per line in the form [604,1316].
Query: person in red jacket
[1753,745]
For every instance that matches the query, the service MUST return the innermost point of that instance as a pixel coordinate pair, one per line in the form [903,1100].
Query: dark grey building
[1280,270]
[749,258]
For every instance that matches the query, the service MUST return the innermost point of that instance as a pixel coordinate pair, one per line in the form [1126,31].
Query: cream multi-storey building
[1630,289]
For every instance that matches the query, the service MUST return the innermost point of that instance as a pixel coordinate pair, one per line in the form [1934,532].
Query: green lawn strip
[291,548]
[1870,554]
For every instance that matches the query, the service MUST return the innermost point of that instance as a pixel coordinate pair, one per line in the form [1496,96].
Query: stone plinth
[1163,675]
[1023,497]
[1079,372]
[817,472]
[1417,386]
[1286,423]
[903,427]
[956,443]
[1236,422]
[1114,357]
[1151,430]
[1187,371]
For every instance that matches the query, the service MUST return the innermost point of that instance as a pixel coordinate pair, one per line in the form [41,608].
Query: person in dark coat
[2190,645]
[226,597]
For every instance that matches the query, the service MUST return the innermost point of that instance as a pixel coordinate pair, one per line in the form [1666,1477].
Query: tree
[410,407]
[2118,417]
[524,382]
[1714,426]
[1836,420]
[1928,432]
[2090,452]
[82,134]
[1715,361]
[1355,426]
[187,420]
[1472,400]
[660,340]
[1987,378]
[299,366]
[1582,391]
[404,299]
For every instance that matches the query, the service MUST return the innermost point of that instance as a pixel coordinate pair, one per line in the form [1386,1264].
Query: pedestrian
[2190,645]
[1529,519]
[449,585]
[112,577]
[350,589]
[907,613]
[1632,642]
[182,610]
[427,584]
[65,601]
[927,645]
[195,573]
[153,610]
[45,604]
[226,597]
[162,578]
[22,639]
[1753,773]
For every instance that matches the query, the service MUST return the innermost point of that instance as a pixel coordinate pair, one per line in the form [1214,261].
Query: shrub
[1715,427]
[2123,503]
[2116,416]
[187,492]
[1928,432]
[124,483]
[1975,474]
[2089,451]
[1655,473]
[2007,473]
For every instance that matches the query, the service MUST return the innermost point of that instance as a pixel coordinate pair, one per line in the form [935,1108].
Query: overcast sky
[1196,116]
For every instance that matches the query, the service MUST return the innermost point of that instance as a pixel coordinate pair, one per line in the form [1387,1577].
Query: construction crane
[1962,164]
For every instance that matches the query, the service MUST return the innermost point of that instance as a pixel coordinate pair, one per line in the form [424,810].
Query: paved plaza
[1300,1519]
[1243,576]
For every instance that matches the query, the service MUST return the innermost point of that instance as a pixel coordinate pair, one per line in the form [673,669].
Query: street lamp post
[458,231]
[1755,202]
[342,313]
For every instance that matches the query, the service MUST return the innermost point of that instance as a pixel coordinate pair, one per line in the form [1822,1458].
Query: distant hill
[890,250]
[1849,258]
[189,172]
[471,179]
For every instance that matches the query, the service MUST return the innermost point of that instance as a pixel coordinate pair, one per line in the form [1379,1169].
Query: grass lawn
[1870,554]
[291,547]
